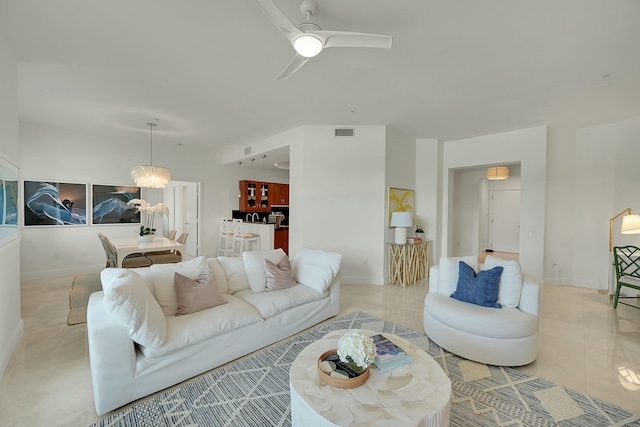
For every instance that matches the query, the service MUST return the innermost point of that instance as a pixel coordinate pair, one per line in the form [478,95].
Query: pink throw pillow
[279,276]
[197,294]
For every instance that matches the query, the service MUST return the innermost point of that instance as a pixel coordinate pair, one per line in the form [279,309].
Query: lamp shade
[401,219]
[498,172]
[630,224]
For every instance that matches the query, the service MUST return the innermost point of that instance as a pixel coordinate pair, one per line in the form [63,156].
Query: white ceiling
[206,68]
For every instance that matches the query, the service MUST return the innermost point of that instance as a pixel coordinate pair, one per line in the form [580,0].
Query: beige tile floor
[584,344]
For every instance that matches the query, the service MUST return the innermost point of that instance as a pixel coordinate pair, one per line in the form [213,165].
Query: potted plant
[147,231]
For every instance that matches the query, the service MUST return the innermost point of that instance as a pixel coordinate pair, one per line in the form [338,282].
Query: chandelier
[150,176]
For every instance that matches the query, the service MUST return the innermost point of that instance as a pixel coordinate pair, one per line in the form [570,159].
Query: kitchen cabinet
[279,194]
[281,239]
[254,196]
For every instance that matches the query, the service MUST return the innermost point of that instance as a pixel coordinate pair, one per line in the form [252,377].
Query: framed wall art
[49,203]
[400,199]
[8,201]
[109,204]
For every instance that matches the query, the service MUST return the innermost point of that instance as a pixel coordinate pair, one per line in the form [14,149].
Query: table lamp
[401,221]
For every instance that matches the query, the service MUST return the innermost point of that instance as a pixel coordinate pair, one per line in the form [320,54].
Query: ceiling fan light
[308,45]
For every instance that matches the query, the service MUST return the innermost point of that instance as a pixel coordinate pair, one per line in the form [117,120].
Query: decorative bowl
[341,382]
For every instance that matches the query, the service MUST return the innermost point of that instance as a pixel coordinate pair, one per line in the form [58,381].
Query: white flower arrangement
[357,349]
[149,212]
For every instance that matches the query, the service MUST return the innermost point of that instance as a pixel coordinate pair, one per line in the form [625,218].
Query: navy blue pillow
[481,289]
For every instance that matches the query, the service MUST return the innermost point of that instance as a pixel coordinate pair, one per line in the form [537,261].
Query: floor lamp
[630,225]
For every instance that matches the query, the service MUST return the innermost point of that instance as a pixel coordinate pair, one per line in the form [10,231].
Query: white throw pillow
[254,267]
[510,280]
[448,272]
[316,268]
[218,272]
[163,281]
[234,270]
[128,300]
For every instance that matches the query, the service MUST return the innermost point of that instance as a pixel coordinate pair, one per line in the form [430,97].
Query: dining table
[128,246]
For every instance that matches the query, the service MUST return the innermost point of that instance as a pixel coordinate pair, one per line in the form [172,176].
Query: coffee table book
[389,355]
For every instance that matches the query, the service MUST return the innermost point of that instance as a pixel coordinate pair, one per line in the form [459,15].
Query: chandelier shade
[149,176]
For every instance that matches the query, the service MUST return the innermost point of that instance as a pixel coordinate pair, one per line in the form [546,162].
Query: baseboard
[69,271]
[8,350]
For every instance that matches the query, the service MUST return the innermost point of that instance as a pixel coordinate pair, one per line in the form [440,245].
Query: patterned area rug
[254,391]
[83,286]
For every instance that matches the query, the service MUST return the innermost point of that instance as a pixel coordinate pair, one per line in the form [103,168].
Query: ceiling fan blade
[348,39]
[295,64]
[278,18]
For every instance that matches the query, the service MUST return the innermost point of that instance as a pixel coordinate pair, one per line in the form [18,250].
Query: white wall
[606,181]
[400,172]
[59,155]
[11,325]
[428,164]
[337,198]
[527,146]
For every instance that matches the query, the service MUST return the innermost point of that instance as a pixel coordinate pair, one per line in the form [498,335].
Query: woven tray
[340,382]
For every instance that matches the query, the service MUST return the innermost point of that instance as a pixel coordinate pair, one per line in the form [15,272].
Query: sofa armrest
[112,357]
[530,296]
[434,278]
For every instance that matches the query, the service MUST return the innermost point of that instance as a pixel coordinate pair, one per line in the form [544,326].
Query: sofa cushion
[254,266]
[129,301]
[272,303]
[482,321]
[480,288]
[163,276]
[218,272]
[448,272]
[197,294]
[510,280]
[279,276]
[316,268]
[234,271]
[183,331]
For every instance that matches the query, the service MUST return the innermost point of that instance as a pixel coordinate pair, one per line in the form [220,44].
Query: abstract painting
[110,204]
[8,201]
[400,199]
[54,203]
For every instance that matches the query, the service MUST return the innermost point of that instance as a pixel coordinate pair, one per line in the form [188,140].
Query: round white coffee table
[418,394]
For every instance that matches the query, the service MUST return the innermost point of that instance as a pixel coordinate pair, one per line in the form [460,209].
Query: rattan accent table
[409,263]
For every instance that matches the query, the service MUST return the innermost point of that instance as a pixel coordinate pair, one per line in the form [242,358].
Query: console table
[409,263]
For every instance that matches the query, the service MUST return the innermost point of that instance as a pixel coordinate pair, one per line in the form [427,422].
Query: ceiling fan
[308,39]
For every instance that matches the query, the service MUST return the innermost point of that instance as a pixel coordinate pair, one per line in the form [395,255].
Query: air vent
[343,132]
[247,151]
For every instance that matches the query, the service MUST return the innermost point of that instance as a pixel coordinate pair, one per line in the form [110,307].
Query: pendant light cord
[151,125]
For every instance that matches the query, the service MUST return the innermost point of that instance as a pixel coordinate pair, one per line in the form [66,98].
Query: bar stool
[225,240]
[240,238]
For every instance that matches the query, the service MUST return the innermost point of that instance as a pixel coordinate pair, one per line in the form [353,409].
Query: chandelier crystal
[149,176]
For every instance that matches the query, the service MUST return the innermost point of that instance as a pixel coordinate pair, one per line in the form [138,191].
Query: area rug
[254,391]
[83,286]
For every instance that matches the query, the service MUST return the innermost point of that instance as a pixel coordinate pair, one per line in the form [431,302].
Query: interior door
[505,221]
[183,201]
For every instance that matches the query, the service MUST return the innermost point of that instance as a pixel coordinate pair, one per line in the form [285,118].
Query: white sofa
[136,348]
[506,336]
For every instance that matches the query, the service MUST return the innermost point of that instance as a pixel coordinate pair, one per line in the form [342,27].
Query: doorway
[504,221]
[183,199]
